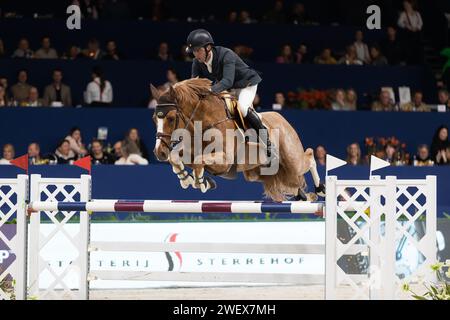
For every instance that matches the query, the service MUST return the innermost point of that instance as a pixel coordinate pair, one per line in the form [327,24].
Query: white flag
[333,163]
[377,163]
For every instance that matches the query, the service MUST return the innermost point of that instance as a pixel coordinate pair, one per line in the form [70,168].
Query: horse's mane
[189,91]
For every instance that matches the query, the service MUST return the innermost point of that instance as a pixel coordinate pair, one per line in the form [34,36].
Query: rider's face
[200,54]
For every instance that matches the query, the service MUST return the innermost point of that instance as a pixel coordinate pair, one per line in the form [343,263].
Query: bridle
[161,111]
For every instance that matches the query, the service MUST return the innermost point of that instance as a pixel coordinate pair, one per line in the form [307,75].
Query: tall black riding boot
[256,123]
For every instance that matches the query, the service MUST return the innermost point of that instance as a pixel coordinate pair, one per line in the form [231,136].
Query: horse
[186,102]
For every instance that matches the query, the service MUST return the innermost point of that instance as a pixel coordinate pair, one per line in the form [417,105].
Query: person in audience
[299,15]
[57,94]
[422,158]
[443,97]
[75,140]
[133,135]
[276,14]
[23,50]
[245,18]
[34,154]
[21,89]
[392,47]
[172,78]
[33,99]
[131,154]
[354,154]
[439,145]
[46,51]
[351,99]
[377,58]
[390,153]
[117,147]
[416,104]
[8,154]
[73,53]
[63,153]
[446,160]
[99,92]
[286,55]
[350,57]
[301,55]
[362,50]
[410,21]
[163,52]
[325,57]
[111,52]
[320,155]
[93,50]
[98,155]
[340,102]
[384,103]
[4,102]
[280,99]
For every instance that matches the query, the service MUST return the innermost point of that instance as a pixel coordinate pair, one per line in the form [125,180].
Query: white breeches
[245,97]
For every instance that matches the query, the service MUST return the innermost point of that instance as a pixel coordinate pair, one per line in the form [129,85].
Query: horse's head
[176,108]
[166,120]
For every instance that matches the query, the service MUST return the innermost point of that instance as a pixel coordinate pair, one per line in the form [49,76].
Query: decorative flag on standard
[21,162]
[84,163]
[333,163]
[377,163]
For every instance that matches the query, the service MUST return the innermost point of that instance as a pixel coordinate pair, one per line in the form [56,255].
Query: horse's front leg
[186,179]
[201,182]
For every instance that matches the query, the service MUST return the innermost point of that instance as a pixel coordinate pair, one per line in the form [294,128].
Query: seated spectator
[299,15]
[439,145]
[377,58]
[350,57]
[325,57]
[2,49]
[63,154]
[244,17]
[422,158]
[76,145]
[362,50]
[98,156]
[163,52]
[23,50]
[152,104]
[131,154]
[57,94]
[352,99]
[99,92]
[21,89]
[301,55]
[446,160]
[286,55]
[33,99]
[320,155]
[117,147]
[392,47]
[390,153]
[8,154]
[280,100]
[46,51]
[232,17]
[93,50]
[73,53]
[384,103]
[4,84]
[354,154]
[133,135]
[4,102]
[111,51]
[417,104]
[443,97]
[34,154]
[277,14]
[340,102]
[172,78]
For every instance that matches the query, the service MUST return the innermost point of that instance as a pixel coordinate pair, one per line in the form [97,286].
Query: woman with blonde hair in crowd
[8,154]
[131,154]
[354,155]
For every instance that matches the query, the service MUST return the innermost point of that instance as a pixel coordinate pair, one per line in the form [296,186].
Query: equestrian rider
[227,71]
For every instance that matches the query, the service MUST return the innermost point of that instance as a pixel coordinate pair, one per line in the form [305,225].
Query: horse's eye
[170,120]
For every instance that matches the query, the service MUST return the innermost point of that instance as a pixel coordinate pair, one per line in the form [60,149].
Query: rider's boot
[263,135]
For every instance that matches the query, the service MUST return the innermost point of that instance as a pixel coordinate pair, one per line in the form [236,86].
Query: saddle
[232,109]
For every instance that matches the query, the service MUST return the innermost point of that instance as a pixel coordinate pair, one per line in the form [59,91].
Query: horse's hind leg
[312,166]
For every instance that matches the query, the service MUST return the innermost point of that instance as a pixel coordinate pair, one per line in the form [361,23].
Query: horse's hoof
[301,196]
[320,190]
[212,183]
[187,182]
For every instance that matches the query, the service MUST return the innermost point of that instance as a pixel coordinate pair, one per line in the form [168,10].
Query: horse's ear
[172,92]
[155,92]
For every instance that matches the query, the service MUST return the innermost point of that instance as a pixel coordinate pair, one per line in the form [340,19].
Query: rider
[227,71]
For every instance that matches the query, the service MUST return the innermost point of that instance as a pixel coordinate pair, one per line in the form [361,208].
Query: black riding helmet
[198,38]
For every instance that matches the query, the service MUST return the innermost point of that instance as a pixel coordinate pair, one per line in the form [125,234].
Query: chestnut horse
[191,101]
